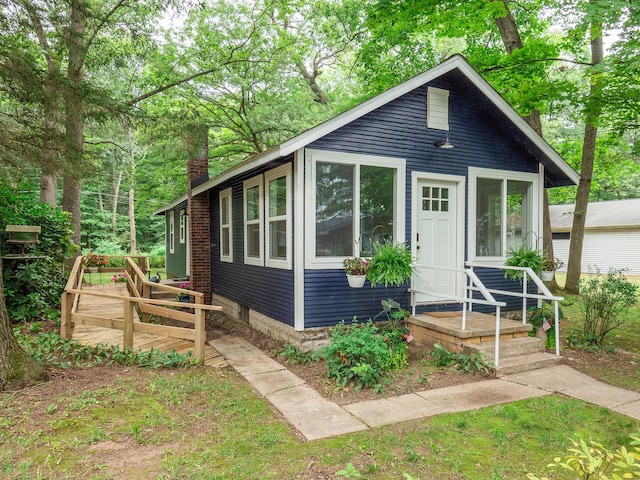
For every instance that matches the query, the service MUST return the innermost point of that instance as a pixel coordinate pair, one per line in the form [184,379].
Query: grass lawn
[208,424]
[200,423]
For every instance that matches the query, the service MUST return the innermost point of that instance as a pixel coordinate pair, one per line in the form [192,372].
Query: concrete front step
[512,347]
[525,363]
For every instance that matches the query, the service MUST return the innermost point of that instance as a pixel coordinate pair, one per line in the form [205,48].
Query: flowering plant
[185,286]
[119,278]
[95,260]
[356,266]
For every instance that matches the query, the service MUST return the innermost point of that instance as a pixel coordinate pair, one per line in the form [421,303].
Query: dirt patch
[419,375]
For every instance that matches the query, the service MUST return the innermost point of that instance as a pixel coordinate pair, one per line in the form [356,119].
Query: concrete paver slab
[313,415]
[270,382]
[385,411]
[566,380]
[480,394]
[244,357]
[630,409]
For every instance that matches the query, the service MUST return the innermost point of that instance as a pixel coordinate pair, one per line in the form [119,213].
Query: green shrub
[466,363]
[294,356]
[33,286]
[363,355]
[50,350]
[593,460]
[603,301]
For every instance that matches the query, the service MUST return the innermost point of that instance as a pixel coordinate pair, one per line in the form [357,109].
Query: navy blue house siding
[263,289]
[483,137]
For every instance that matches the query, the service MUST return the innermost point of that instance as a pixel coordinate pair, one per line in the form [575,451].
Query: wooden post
[200,334]
[65,321]
[127,333]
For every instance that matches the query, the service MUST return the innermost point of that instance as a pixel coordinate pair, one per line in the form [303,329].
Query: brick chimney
[199,221]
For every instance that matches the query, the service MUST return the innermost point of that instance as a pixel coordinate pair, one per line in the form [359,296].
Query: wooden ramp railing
[139,289]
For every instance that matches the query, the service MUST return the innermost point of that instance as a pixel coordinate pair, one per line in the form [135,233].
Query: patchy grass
[208,424]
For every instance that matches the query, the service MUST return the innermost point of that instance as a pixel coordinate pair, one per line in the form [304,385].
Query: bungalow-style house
[439,161]
[611,235]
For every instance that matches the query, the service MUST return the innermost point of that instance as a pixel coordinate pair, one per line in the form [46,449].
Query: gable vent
[437,108]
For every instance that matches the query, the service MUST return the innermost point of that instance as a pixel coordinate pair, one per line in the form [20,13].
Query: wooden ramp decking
[113,308]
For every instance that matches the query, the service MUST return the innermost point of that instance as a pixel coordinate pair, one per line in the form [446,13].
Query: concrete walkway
[316,417]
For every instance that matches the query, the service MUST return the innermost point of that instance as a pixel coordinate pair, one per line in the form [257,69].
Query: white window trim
[254,182]
[183,225]
[313,156]
[279,172]
[536,214]
[226,194]
[172,235]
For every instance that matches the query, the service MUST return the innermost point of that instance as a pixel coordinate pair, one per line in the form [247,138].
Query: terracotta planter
[356,281]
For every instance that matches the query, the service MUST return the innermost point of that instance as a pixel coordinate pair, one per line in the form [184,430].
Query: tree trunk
[574,268]
[512,41]
[17,368]
[74,134]
[116,193]
[48,186]
[132,221]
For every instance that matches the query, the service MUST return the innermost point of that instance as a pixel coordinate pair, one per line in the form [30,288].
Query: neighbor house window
[172,238]
[353,202]
[253,226]
[183,226]
[278,217]
[505,212]
[226,246]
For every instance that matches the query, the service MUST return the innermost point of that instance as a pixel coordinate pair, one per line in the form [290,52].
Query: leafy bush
[466,363]
[294,356]
[50,350]
[593,460]
[603,301]
[362,354]
[33,287]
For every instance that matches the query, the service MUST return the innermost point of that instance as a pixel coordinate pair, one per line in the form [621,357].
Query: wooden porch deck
[114,308]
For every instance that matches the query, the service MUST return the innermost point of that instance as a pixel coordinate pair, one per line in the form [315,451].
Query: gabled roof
[612,214]
[455,62]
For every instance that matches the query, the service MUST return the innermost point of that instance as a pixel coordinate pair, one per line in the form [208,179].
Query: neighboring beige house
[611,238]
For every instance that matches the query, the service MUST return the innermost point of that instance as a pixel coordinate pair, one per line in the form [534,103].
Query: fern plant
[391,264]
[524,256]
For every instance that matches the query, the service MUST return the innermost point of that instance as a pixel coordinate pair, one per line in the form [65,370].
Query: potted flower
[549,268]
[356,269]
[184,297]
[542,321]
[93,261]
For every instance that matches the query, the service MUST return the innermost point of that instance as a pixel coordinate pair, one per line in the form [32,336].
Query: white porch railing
[474,284]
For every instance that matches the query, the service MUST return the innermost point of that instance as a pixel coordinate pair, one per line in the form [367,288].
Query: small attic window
[437,108]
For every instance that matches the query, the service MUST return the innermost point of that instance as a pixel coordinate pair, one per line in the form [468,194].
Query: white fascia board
[172,205]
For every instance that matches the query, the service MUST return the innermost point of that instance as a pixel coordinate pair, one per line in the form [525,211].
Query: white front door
[436,240]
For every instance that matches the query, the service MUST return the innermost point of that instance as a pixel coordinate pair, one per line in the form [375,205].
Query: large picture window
[226,232]
[505,214]
[358,200]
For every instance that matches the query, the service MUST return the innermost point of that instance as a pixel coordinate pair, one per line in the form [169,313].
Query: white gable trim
[454,62]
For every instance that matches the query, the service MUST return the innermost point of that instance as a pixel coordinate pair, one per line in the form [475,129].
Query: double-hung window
[504,212]
[226,244]
[253,222]
[278,217]
[183,226]
[353,202]
[172,236]
[267,219]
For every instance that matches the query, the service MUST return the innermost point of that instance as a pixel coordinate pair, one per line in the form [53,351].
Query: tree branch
[539,60]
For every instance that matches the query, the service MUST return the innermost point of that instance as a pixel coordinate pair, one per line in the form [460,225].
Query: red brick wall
[199,229]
